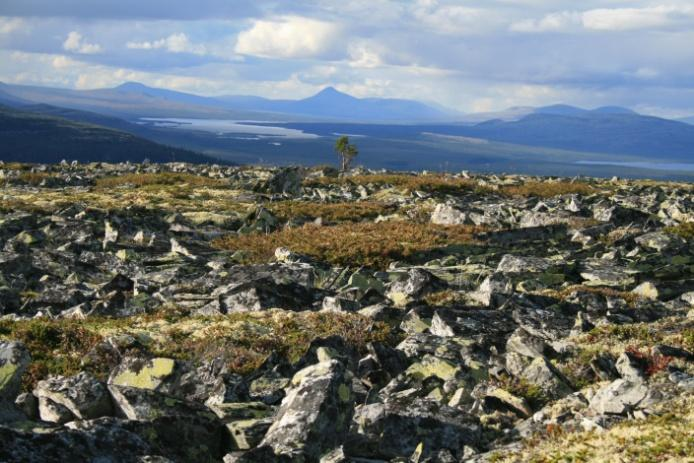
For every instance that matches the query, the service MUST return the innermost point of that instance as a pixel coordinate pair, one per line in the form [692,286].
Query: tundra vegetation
[178,312]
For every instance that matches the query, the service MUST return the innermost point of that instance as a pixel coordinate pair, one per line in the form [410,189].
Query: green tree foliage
[346,152]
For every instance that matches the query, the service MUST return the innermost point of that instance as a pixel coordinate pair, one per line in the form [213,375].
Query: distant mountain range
[609,132]
[134,100]
[687,120]
[332,104]
[31,137]
[519,112]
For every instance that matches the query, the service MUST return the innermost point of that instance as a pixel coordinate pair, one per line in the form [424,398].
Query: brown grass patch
[160,179]
[630,298]
[34,178]
[548,189]
[332,212]
[369,244]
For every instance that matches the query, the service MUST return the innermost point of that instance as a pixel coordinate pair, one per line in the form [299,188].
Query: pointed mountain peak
[330,91]
[331,94]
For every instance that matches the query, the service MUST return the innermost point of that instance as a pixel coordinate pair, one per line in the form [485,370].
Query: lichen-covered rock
[416,283]
[84,396]
[142,373]
[14,360]
[396,428]
[619,397]
[316,413]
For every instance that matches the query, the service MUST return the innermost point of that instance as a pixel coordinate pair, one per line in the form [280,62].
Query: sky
[471,56]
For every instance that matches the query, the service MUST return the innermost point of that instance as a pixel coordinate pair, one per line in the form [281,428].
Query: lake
[223,126]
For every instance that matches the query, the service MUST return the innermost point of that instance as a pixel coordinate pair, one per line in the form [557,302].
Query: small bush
[367,244]
[653,363]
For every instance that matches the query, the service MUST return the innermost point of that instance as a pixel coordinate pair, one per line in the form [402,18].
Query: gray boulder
[315,415]
[396,428]
[82,395]
[619,397]
[445,214]
[417,283]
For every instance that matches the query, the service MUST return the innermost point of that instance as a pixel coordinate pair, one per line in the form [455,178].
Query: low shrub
[352,244]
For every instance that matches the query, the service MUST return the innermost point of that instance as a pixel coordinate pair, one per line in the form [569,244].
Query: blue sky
[473,56]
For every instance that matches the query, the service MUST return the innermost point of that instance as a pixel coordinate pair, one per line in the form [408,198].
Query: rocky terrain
[173,312]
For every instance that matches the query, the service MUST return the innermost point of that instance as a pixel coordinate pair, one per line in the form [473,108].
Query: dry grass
[630,298]
[160,179]
[432,183]
[665,438]
[368,244]
[245,340]
[332,212]
[548,189]
[34,178]
[446,184]
[444,298]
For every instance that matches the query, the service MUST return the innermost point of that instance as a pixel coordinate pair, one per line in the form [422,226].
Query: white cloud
[363,55]
[609,19]
[287,37]
[646,73]
[175,43]
[63,62]
[553,22]
[620,19]
[10,25]
[75,43]
[453,19]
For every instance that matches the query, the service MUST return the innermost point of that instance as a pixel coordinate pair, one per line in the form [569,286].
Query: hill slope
[32,137]
[594,131]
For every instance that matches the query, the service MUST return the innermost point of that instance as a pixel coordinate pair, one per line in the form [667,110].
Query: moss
[242,340]
[688,339]
[353,244]
[532,393]
[640,332]
[683,230]
[56,346]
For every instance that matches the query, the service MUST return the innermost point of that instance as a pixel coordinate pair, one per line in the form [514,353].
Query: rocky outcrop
[201,319]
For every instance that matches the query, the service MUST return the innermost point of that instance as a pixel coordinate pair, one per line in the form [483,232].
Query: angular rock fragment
[315,415]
